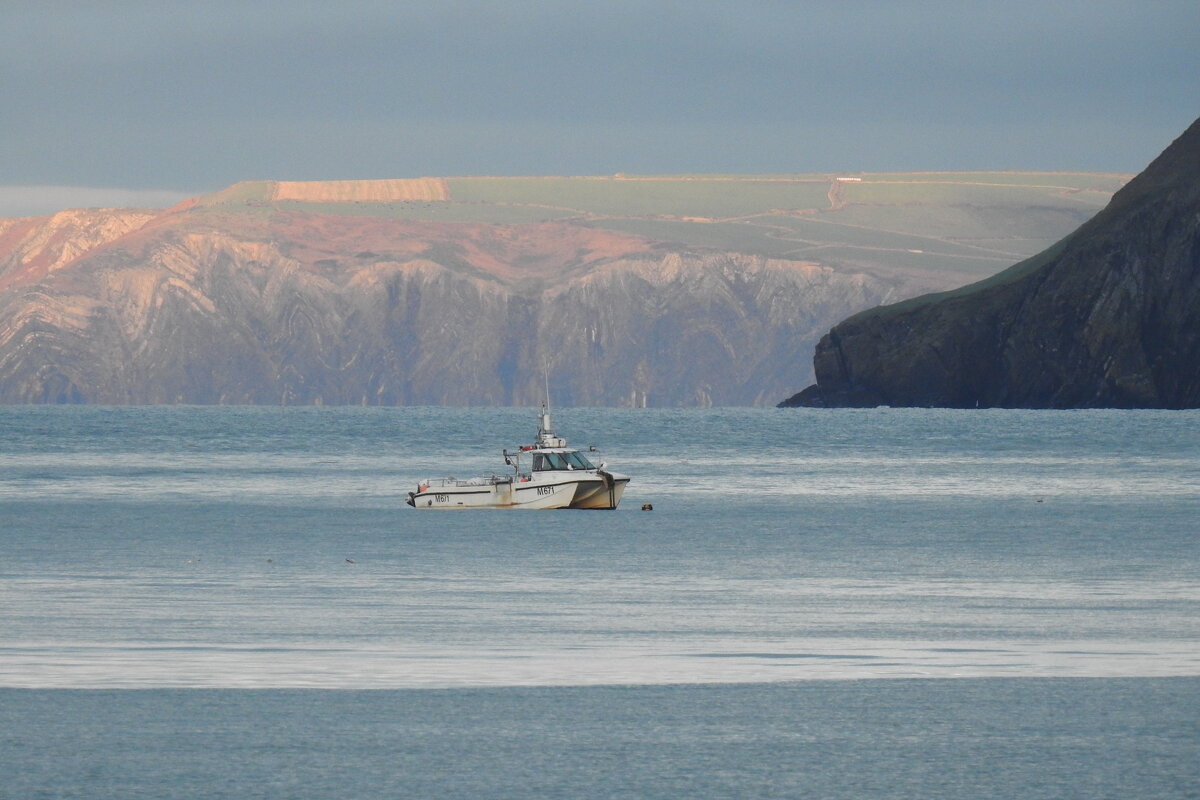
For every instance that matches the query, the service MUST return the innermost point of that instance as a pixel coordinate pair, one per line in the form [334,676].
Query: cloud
[37,201]
[200,95]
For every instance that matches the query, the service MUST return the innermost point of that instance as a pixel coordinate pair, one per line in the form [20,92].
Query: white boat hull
[591,490]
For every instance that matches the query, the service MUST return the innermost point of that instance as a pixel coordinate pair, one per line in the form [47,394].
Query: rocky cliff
[270,305]
[1109,317]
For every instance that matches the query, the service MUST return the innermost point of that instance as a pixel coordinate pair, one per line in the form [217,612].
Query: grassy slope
[970,224]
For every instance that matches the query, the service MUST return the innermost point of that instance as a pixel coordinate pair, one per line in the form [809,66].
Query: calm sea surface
[236,602]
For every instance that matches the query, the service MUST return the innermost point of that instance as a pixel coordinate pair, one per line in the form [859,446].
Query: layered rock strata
[269,306]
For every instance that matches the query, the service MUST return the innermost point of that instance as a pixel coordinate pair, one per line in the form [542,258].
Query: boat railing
[463,483]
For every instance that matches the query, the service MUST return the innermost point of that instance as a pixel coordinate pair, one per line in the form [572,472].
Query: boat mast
[545,434]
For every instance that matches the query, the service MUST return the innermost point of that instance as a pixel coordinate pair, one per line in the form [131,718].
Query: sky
[124,102]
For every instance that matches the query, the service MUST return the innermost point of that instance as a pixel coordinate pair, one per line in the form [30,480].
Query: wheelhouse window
[577,460]
[550,461]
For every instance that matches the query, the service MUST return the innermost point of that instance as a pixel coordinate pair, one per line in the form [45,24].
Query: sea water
[236,602]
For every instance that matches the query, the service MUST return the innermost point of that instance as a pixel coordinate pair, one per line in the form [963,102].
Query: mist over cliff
[396,292]
[1109,317]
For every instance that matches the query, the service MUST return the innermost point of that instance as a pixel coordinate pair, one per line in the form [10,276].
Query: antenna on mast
[545,401]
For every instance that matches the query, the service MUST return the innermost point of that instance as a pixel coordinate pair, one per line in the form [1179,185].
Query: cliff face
[1109,317]
[202,305]
[31,248]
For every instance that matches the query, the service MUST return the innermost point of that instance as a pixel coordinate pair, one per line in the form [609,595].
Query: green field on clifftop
[972,224]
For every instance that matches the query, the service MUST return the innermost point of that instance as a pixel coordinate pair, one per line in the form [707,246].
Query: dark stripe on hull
[598,495]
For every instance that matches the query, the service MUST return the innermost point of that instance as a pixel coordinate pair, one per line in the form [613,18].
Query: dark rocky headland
[1107,318]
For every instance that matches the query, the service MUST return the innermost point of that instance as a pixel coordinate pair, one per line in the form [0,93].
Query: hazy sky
[186,97]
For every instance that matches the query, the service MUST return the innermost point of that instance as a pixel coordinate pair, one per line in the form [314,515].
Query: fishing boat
[546,474]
